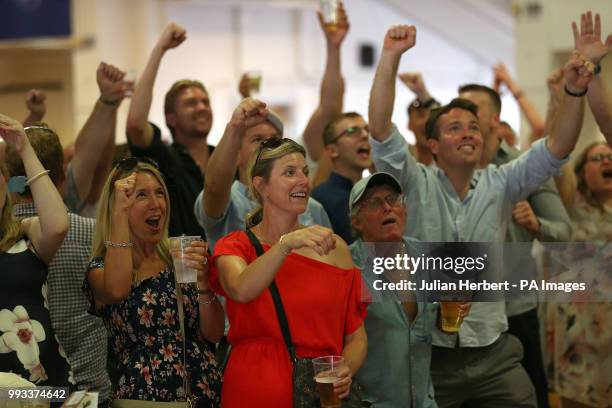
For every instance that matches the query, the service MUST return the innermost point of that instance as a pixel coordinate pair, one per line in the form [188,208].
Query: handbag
[191,399]
[305,394]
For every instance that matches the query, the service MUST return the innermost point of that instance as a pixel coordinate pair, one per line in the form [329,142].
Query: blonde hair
[260,165]
[10,227]
[107,203]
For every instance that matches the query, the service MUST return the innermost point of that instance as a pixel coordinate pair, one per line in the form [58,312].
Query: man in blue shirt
[456,202]
[399,326]
[346,144]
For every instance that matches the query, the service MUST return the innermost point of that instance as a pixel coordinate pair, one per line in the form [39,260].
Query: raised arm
[568,123]
[414,81]
[139,130]
[47,231]
[112,283]
[555,83]
[35,102]
[588,42]
[223,163]
[105,165]
[398,40]
[332,86]
[502,76]
[98,132]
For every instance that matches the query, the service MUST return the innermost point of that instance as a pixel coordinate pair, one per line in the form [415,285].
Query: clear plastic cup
[178,245]
[326,374]
[130,78]
[329,10]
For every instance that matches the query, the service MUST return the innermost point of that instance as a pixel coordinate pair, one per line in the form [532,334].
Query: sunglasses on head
[130,163]
[271,143]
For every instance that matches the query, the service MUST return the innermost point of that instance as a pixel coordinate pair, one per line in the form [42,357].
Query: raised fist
[172,37]
[111,83]
[400,38]
[35,102]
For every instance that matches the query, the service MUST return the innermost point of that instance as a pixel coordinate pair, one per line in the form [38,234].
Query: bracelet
[111,244]
[107,102]
[285,250]
[575,94]
[597,69]
[36,177]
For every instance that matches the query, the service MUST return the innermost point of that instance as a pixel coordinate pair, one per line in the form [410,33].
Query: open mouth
[389,221]
[154,221]
[363,151]
[607,174]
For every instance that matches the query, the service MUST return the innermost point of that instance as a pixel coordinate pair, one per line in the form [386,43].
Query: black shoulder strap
[278,303]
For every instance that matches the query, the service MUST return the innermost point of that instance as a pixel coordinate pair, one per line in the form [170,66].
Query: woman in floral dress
[132,286]
[582,339]
[28,346]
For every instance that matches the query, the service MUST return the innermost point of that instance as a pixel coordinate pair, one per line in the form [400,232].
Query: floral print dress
[580,333]
[146,342]
[28,345]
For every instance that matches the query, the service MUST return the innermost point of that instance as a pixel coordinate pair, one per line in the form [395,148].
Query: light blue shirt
[437,214]
[396,370]
[238,206]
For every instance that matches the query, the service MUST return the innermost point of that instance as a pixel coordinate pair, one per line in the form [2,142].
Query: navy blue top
[334,196]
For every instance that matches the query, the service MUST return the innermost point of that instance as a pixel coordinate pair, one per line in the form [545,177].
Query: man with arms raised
[455,202]
[189,118]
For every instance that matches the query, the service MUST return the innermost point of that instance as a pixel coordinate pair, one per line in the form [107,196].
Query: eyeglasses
[352,131]
[271,143]
[600,157]
[376,203]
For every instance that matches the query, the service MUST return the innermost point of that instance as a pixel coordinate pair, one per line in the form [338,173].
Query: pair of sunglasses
[130,163]
[271,143]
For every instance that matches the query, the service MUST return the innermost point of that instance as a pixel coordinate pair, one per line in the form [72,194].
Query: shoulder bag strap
[278,303]
[181,316]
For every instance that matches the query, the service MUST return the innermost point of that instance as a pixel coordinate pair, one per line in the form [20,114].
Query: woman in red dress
[319,285]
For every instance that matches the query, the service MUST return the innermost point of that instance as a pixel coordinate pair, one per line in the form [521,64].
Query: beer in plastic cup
[325,371]
[254,83]
[450,316]
[329,10]
[178,245]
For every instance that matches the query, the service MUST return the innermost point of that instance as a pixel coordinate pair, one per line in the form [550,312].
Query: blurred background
[56,45]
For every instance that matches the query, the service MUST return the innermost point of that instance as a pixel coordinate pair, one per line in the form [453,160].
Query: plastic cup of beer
[329,10]
[184,272]
[326,374]
[450,315]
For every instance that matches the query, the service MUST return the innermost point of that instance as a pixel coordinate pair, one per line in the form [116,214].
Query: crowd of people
[284,269]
